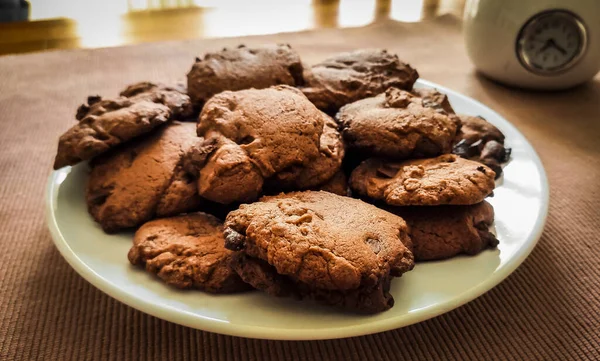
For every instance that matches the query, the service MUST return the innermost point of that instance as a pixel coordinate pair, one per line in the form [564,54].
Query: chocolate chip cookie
[337,250]
[243,68]
[173,97]
[143,179]
[318,171]
[104,124]
[446,231]
[481,141]
[396,124]
[447,179]
[225,173]
[263,276]
[181,194]
[348,77]
[251,135]
[186,251]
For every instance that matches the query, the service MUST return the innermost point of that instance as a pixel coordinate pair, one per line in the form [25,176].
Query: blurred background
[37,25]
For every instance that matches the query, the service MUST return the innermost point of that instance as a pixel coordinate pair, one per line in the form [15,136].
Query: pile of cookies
[317,182]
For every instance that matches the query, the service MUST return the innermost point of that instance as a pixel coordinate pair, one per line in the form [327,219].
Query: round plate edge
[267,333]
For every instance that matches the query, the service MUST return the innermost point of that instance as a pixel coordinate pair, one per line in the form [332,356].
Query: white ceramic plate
[433,288]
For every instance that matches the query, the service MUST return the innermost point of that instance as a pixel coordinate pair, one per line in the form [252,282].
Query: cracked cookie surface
[445,231]
[130,185]
[447,179]
[432,98]
[173,97]
[104,124]
[325,241]
[243,68]
[348,77]
[186,251]
[319,170]
[250,136]
[398,125]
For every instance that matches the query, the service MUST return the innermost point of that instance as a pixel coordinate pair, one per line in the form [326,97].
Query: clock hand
[547,44]
[558,47]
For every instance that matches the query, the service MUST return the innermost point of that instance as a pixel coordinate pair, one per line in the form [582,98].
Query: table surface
[68,24]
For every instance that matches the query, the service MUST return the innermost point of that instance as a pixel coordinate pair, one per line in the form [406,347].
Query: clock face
[551,42]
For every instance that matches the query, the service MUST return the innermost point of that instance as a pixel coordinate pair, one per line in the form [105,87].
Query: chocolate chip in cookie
[243,68]
[396,124]
[337,250]
[348,77]
[186,251]
[481,141]
[447,179]
[477,128]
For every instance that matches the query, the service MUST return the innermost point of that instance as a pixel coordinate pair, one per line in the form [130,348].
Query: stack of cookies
[317,182]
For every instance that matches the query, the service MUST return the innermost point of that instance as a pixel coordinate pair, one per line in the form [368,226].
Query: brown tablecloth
[549,309]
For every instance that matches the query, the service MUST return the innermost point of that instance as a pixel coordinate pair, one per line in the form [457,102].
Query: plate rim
[223,327]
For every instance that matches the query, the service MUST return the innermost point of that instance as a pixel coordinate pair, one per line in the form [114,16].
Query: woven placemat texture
[549,309]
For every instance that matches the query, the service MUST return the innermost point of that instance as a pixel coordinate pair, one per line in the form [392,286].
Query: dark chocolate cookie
[481,141]
[173,97]
[398,125]
[330,245]
[262,276]
[243,68]
[348,77]
[318,171]
[143,179]
[251,135]
[446,231]
[447,179]
[186,252]
[104,124]
[477,128]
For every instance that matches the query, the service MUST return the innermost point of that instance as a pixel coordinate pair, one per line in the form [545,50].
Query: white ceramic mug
[540,44]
